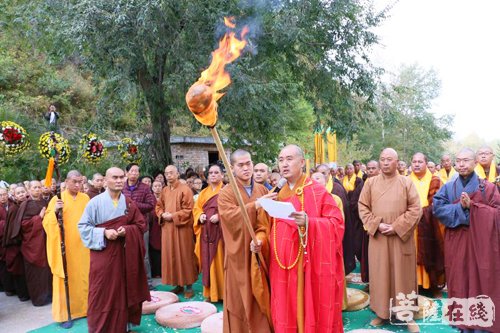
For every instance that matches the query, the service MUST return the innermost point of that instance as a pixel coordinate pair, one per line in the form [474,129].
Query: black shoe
[24,299]
[177,290]
[10,293]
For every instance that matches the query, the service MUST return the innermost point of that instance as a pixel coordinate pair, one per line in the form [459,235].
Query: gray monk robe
[392,263]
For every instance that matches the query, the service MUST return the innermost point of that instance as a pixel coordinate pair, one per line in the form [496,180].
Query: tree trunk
[159,150]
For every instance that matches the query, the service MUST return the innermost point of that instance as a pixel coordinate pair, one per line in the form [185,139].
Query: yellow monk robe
[445,177]
[482,174]
[216,289]
[329,184]
[360,174]
[423,185]
[349,184]
[77,257]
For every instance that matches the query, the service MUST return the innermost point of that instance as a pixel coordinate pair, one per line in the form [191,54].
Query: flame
[202,97]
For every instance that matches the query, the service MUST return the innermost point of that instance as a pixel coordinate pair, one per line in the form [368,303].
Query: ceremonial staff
[53,165]
[202,97]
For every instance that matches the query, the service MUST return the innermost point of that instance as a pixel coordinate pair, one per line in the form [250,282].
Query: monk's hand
[465,200]
[59,205]
[382,227]
[271,195]
[121,231]
[203,218]
[167,216]
[255,248]
[389,231]
[111,234]
[214,218]
[42,212]
[299,217]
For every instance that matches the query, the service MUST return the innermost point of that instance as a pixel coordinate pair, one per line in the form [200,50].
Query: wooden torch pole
[234,186]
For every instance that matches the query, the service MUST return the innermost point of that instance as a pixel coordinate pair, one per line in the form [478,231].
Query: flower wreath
[92,147]
[13,137]
[129,151]
[52,143]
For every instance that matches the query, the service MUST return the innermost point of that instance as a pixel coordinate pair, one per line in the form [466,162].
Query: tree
[404,121]
[313,51]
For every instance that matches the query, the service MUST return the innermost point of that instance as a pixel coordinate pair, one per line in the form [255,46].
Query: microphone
[280,184]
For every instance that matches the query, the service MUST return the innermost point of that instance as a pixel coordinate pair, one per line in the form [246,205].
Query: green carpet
[352,320]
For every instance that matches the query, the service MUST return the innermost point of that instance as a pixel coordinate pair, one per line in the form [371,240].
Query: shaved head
[73,173]
[297,149]
[237,154]
[390,152]
[111,171]
[420,155]
[467,152]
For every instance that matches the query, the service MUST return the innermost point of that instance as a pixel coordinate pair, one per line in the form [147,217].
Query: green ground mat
[352,320]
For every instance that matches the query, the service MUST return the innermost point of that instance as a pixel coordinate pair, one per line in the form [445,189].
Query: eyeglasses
[484,153]
[464,160]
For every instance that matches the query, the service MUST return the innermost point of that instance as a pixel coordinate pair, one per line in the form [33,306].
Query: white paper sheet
[277,209]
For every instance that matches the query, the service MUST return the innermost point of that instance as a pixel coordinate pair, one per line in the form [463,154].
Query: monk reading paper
[306,271]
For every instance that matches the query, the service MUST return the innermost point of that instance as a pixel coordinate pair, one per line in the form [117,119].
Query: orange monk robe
[77,257]
[178,262]
[322,267]
[426,187]
[246,303]
[215,291]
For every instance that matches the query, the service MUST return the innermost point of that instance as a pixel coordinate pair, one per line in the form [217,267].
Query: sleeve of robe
[197,211]
[138,219]
[183,216]
[51,227]
[92,236]
[160,208]
[405,223]
[370,221]
[450,214]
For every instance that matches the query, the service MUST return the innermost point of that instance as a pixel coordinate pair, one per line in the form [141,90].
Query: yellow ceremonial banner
[308,167]
[331,146]
[319,151]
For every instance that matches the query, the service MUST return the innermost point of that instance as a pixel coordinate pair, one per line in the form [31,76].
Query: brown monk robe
[33,249]
[12,246]
[175,208]
[389,207]
[244,304]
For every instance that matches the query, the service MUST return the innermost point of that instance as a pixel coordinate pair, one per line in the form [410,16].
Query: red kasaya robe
[472,257]
[322,266]
[117,277]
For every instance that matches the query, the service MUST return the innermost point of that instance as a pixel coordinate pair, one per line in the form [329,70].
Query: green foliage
[403,120]
[310,51]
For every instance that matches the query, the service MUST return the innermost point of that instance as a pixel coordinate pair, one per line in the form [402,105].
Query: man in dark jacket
[144,199]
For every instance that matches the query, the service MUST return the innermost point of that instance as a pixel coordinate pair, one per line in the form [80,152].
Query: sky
[460,40]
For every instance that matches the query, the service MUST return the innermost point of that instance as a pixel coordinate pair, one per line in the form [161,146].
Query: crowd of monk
[411,228]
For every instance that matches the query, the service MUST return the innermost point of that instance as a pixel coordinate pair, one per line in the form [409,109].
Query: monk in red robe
[469,207]
[306,271]
[12,246]
[33,246]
